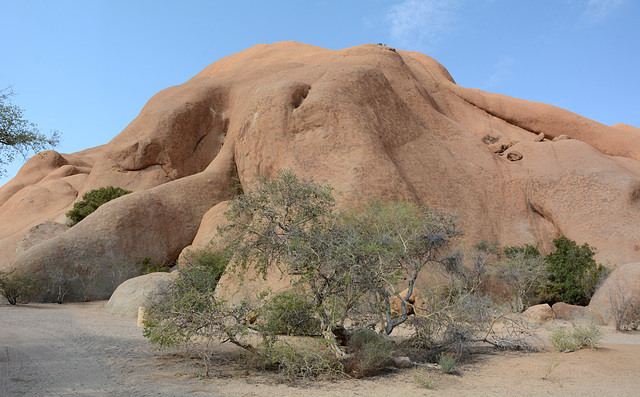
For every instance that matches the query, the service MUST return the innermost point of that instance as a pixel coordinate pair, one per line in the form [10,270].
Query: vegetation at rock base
[17,287]
[351,263]
[570,274]
[90,202]
[574,274]
[625,308]
[18,136]
[525,272]
[191,315]
[352,275]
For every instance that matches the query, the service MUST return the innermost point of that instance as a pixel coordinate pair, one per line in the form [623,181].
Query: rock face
[370,121]
[138,291]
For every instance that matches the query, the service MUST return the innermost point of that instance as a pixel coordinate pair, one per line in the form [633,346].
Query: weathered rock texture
[371,121]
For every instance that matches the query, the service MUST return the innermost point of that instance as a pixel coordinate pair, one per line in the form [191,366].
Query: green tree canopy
[18,136]
[573,272]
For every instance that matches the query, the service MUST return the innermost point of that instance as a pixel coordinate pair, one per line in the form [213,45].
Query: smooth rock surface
[138,291]
[539,314]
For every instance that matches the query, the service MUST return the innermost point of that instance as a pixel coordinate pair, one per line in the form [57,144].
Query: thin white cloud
[600,10]
[415,22]
[501,74]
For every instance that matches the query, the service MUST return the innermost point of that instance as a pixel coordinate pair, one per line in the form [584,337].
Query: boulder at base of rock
[402,362]
[621,288]
[396,303]
[138,291]
[539,314]
[564,311]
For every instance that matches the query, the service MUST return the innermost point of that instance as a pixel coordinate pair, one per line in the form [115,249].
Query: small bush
[91,201]
[290,313]
[18,288]
[304,359]
[447,363]
[370,353]
[589,336]
[58,283]
[625,309]
[562,340]
[568,341]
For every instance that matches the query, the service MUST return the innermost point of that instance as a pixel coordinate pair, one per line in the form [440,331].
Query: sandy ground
[79,350]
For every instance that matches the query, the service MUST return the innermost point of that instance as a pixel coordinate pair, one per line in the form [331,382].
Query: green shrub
[18,288]
[290,313]
[447,363]
[92,200]
[568,341]
[573,273]
[370,353]
[562,340]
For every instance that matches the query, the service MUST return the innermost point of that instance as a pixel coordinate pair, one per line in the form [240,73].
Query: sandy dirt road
[76,349]
[79,350]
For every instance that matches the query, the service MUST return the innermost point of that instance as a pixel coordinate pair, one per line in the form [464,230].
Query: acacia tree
[18,136]
[351,263]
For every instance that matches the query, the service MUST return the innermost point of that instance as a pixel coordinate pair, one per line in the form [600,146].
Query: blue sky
[87,67]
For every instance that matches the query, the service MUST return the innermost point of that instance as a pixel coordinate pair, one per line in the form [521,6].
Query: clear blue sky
[87,67]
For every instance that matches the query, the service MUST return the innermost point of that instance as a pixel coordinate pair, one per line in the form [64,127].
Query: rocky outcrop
[369,121]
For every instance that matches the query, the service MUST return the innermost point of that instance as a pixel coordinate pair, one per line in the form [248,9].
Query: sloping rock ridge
[369,120]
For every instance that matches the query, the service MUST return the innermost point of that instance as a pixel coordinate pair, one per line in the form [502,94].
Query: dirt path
[75,349]
[79,350]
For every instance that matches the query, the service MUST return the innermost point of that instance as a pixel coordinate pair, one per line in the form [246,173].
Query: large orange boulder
[369,120]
